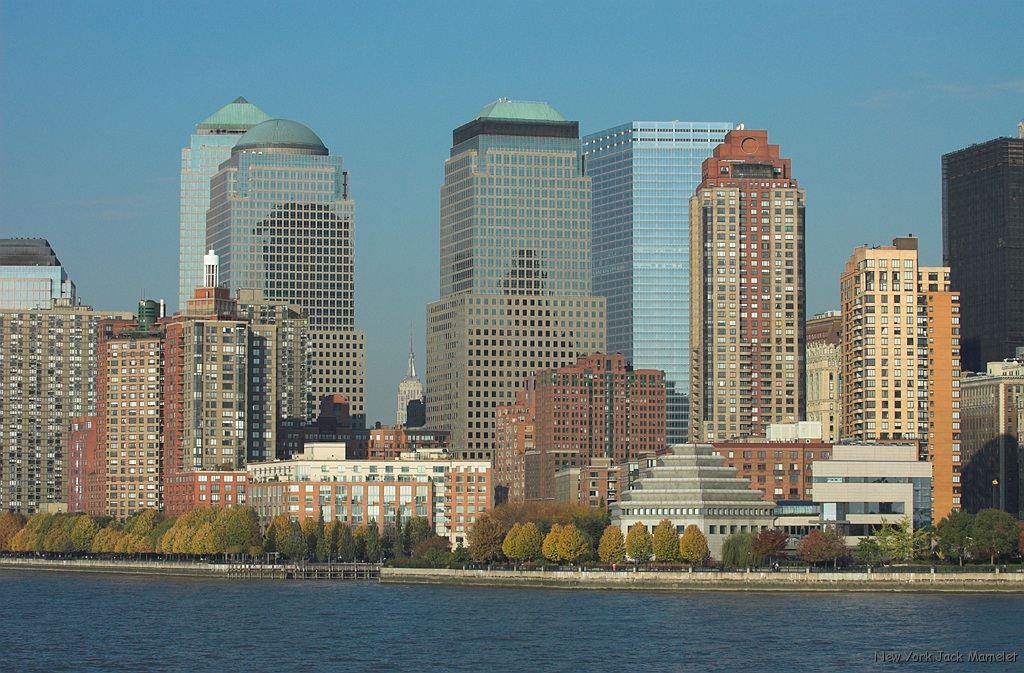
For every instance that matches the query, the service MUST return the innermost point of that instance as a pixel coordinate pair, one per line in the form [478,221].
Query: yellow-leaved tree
[550,548]
[693,546]
[612,548]
[665,542]
[572,546]
[510,545]
[638,543]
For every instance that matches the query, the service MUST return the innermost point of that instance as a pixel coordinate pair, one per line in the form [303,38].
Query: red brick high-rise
[747,291]
[598,408]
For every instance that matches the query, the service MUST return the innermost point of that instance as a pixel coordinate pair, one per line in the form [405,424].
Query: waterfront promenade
[790,579]
[785,581]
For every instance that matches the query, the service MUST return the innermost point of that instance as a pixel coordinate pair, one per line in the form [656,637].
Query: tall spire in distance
[411,372]
[410,389]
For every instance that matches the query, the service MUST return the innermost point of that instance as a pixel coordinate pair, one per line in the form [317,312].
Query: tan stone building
[992,410]
[747,291]
[515,290]
[900,378]
[823,372]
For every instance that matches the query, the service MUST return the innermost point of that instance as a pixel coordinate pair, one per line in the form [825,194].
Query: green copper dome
[282,136]
[504,108]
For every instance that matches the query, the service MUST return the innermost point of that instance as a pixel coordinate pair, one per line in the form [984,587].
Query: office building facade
[31,276]
[643,175]
[823,348]
[209,147]
[282,221]
[983,246]
[515,279]
[747,292]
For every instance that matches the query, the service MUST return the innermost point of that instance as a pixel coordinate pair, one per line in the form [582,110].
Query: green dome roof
[504,108]
[238,116]
[282,135]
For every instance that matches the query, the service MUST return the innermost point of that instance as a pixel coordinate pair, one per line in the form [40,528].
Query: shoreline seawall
[625,579]
[993,582]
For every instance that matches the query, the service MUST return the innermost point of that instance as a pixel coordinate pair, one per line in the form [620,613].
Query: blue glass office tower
[643,175]
[209,147]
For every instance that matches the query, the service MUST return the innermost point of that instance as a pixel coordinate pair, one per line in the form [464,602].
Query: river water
[51,621]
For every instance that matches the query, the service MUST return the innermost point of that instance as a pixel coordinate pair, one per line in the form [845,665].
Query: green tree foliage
[436,551]
[612,548]
[240,527]
[869,552]
[374,549]
[738,551]
[292,544]
[416,530]
[693,546]
[346,544]
[550,547]
[994,533]
[639,544]
[769,543]
[572,545]
[530,543]
[10,524]
[900,542]
[485,539]
[822,545]
[665,542]
[509,545]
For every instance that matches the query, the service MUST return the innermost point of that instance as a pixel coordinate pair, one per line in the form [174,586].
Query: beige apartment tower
[515,280]
[900,363]
[747,292]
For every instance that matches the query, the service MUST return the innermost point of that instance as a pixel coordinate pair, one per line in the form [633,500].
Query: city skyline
[855,119]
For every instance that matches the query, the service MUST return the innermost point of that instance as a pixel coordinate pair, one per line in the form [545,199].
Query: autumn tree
[311,529]
[638,543]
[612,548]
[551,546]
[769,543]
[822,545]
[993,534]
[509,545]
[529,544]
[83,532]
[10,524]
[665,542]
[693,546]
[240,527]
[485,539]
[359,537]
[572,545]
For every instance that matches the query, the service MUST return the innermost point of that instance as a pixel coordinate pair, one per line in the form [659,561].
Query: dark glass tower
[983,245]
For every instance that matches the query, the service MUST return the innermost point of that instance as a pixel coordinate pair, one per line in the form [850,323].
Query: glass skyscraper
[643,175]
[210,146]
[282,221]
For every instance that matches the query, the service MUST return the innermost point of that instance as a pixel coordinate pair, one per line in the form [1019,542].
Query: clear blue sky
[98,98]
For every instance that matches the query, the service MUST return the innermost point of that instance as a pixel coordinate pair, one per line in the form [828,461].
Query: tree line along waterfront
[518,533]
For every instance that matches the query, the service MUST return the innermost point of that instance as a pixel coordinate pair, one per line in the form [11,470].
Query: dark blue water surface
[76,622]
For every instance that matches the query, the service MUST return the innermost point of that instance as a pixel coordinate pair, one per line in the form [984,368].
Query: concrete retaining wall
[717,581]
